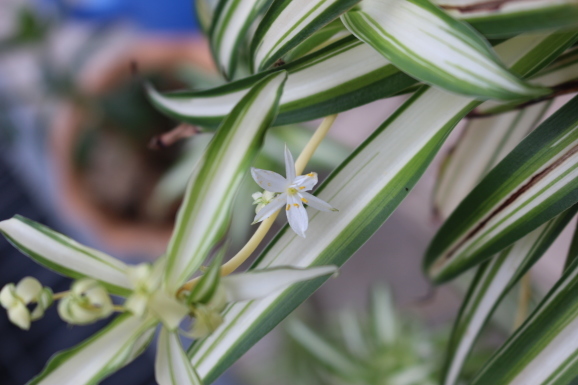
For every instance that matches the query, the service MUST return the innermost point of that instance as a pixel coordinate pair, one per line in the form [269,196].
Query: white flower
[262,199]
[87,302]
[149,298]
[293,194]
[15,298]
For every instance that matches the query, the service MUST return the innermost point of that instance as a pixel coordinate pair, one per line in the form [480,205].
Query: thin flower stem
[523,300]
[60,295]
[255,240]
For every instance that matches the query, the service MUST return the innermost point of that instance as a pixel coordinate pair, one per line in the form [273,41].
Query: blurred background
[82,151]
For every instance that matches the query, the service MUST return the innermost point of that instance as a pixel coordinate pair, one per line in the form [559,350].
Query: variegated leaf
[289,22]
[206,209]
[172,366]
[102,354]
[507,18]
[64,255]
[342,76]
[231,22]
[482,144]
[429,45]
[534,183]
[493,280]
[561,76]
[327,35]
[366,188]
[544,349]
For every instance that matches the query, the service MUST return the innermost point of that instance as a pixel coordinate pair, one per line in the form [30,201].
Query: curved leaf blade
[534,183]
[493,280]
[172,366]
[366,188]
[544,349]
[342,76]
[206,209]
[512,17]
[482,144]
[65,256]
[231,22]
[289,22]
[429,45]
[102,354]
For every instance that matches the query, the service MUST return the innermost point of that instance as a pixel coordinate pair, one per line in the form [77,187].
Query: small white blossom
[292,194]
[262,199]
[15,298]
[87,302]
[149,297]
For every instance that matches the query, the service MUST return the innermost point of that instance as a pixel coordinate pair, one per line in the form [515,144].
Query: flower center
[291,191]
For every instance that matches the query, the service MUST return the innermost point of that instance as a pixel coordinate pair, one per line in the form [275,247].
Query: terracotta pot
[146,238]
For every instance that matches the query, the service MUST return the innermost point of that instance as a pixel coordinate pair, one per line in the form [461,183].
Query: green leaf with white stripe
[561,76]
[327,35]
[205,11]
[64,255]
[322,350]
[287,23]
[209,281]
[482,144]
[543,351]
[366,189]
[429,45]
[342,76]
[172,366]
[534,183]
[493,280]
[231,22]
[206,210]
[101,355]
[511,17]
[573,250]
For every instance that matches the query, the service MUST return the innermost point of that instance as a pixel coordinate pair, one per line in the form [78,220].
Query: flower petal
[305,182]
[28,289]
[269,180]
[19,315]
[172,366]
[289,165]
[296,215]
[255,284]
[269,209]
[315,202]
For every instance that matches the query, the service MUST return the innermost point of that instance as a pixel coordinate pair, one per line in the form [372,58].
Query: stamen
[296,204]
[301,188]
[304,200]
[287,208]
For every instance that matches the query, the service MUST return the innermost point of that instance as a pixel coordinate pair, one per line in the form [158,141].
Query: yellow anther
[304,200]
[311,174]
[287,208]
[296,204]
[301,188]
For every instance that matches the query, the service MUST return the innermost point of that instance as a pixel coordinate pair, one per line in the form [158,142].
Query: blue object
[173,16]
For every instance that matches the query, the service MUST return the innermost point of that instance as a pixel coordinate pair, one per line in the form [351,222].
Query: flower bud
[150,299]
[86,303]
[207,320]
[262,199]
[15,298]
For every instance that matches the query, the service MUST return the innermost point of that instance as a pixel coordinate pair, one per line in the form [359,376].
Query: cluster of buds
[16,299]
[86,302]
